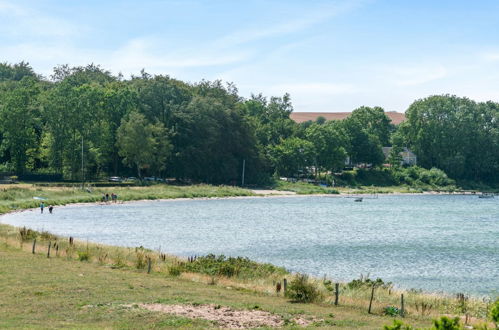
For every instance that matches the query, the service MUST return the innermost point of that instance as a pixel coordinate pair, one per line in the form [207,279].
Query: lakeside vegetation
[84,123]
[112,282]
[20,196]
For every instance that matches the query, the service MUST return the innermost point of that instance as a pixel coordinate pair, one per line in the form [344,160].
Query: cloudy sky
[329,55]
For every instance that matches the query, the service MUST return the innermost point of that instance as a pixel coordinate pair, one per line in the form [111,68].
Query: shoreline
[268,193]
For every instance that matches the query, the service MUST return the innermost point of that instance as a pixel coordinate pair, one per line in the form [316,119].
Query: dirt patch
[225,317]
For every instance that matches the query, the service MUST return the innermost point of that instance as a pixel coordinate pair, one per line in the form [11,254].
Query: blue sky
[329,55]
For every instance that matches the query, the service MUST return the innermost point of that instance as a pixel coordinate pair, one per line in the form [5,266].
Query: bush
[446,323]
[366,282]
[391,311]
[494,312]
[231,267]
[174,271]
[27,234]
[302,290]
[397,325]
[83,255]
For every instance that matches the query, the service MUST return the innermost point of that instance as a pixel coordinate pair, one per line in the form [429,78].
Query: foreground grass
[20,196]
[88,285]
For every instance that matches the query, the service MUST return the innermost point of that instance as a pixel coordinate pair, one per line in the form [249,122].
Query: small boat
[358,199]
[486,195]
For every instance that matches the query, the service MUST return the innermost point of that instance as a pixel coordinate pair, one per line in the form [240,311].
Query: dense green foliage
[494,312]
[231,267]
[456,135]
[86,123]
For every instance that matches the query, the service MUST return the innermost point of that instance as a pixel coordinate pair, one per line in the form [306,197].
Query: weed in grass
[423,307]
[391,311]
[119,260]
[140,258]
[27,234]
[45,235]
[174,271]
[83,255]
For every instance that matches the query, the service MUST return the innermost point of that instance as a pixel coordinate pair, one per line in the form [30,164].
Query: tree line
[86,123]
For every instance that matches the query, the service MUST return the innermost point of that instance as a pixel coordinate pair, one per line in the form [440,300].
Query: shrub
[83,255]
[302,290]
[174,271]
[231,267]
[365,282]
[27,234]
[446,323]
[391,311]
[397,325]
[141,258]
[494,312]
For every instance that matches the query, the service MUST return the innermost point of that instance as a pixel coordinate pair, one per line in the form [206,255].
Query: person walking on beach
[42,205]
[50,209]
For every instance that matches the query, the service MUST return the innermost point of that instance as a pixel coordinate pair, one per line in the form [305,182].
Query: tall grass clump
[301,289]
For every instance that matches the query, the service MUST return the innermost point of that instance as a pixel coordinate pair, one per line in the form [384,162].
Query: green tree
[456,135]
[375,122]
[142,144]
[363,146]
[19,123]
[329,145]
[292,156]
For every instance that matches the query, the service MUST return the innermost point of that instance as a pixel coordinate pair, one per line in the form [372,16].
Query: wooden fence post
[336,293]
[402,309]
[48,250]
[34,246]
[371,301]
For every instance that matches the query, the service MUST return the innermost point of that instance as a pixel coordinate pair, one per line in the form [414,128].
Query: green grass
[20,196]
[303,188]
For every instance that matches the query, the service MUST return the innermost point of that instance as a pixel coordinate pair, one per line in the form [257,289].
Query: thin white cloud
[491,56]
[21,21]
[418,74]
[313,88]
[289,24]
[143,52]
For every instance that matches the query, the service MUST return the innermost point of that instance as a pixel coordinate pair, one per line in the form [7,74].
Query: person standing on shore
[42,206]
[50,209]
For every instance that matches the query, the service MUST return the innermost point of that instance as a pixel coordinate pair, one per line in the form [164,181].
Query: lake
[436,243]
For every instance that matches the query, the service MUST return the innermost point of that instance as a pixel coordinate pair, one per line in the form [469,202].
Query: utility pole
[82,168]
[244,167]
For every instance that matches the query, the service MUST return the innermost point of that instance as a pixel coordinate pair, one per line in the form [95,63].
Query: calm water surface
[436,243]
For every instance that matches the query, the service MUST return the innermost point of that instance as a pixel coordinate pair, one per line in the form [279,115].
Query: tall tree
[19,122]
[142,144]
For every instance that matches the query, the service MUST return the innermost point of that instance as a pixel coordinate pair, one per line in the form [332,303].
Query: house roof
[300,117]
